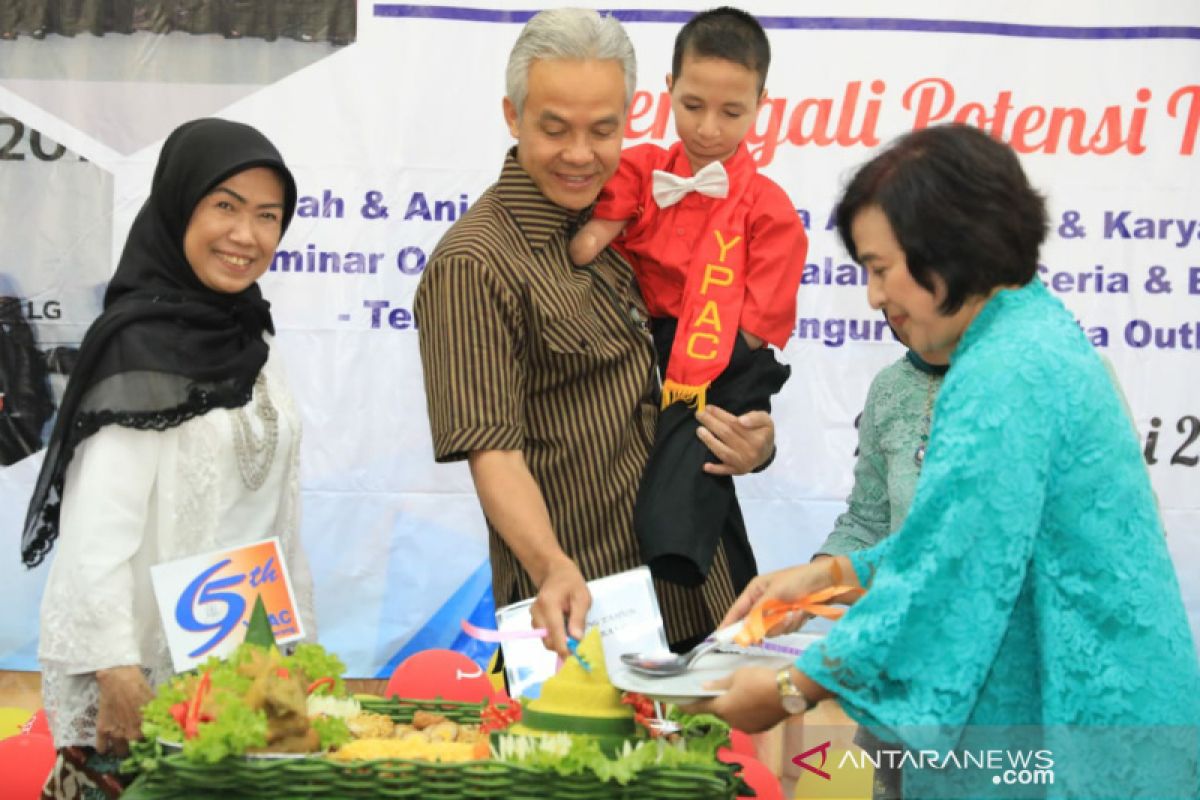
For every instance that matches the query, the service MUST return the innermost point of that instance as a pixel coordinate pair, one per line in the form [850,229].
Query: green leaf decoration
[259,630]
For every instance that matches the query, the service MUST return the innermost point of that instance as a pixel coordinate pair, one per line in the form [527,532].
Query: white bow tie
[670,189]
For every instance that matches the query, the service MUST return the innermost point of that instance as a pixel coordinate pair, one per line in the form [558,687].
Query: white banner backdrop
[394,135]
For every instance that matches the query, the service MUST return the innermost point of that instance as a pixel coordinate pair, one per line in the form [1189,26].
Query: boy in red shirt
[718,251]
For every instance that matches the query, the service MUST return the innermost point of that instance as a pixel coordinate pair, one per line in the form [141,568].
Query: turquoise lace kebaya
[1028,601]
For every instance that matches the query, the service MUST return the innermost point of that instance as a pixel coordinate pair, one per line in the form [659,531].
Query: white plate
[281,756]
[689,687]
[176,747]
[790,645]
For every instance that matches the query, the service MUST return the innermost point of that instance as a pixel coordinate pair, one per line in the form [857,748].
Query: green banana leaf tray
[176,778]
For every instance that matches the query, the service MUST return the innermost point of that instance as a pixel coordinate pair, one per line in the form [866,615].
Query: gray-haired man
[541,374]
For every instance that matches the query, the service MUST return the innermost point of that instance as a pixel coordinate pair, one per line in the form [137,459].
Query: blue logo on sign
[205,592]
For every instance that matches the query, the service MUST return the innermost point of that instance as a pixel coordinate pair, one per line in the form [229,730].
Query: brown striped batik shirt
[522,350]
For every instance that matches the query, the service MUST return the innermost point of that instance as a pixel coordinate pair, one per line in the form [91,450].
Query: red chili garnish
[319,682]
[643,712]
[192,720]
[282,672]
[179,712]
[641,704]
[494,718]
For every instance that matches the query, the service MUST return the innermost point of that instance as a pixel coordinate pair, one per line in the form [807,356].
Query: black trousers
[683,514]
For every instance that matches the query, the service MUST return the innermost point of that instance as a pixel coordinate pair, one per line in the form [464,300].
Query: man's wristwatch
[793,700]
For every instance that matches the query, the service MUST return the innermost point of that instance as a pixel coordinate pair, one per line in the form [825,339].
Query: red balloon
[25,763]
[37,724]
[765,783]
[447,674]
[740,742]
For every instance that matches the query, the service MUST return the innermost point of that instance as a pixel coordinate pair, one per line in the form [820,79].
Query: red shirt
[660,243]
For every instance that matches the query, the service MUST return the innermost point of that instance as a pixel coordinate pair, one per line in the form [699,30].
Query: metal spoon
[666,665]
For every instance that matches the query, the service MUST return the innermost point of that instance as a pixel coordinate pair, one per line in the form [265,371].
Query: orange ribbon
[769,612]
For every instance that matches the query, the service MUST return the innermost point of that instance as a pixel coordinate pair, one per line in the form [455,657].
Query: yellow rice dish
[414,749]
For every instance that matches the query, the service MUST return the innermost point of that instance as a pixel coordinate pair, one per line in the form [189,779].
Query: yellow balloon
[11,720]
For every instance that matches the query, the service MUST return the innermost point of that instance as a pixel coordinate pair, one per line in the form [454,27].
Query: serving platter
[689,687]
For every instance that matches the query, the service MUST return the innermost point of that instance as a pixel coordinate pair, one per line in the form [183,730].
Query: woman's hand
[123,692]
[791,584]
[751,702]
[742,443]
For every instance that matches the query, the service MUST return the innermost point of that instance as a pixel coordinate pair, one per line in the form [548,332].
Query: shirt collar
[739,166]
[924,366]
[535,215]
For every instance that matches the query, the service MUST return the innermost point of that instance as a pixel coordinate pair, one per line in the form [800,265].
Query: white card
[625,609]
[205,600]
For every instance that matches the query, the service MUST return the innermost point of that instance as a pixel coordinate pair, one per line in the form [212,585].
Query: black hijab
[165,348]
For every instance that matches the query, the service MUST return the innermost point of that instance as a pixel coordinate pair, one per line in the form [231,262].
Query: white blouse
[133,499]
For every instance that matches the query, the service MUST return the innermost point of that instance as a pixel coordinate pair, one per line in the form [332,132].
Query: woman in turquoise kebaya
[1027,606]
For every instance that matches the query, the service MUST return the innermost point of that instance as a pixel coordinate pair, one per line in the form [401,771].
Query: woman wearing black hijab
[176,436]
